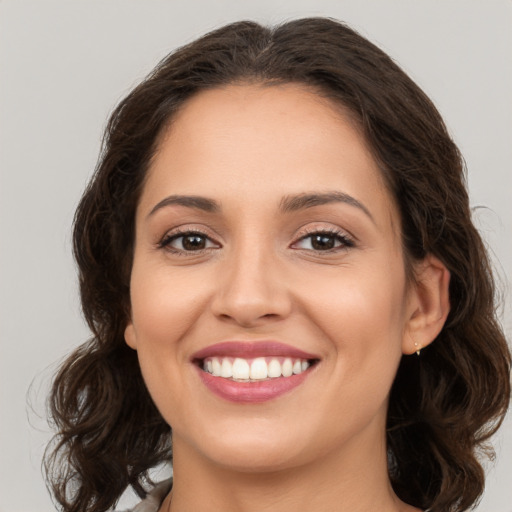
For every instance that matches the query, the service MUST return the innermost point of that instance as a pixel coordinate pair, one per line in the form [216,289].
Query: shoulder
[152,502]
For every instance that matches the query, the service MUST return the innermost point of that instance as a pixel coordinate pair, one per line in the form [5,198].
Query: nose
[252,289]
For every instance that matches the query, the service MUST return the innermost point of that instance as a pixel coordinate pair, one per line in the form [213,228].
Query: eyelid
[347,240]
[182,231]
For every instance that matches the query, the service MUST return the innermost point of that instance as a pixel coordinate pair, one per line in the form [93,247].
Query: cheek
[363,316]
[165,309]
[165,305]
[366,304]
[364,326]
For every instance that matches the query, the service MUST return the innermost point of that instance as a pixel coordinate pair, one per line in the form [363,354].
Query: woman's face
[268,248]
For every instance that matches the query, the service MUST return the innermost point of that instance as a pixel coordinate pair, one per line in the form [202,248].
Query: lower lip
[251,392]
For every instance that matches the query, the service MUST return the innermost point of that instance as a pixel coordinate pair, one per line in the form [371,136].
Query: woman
[277,262]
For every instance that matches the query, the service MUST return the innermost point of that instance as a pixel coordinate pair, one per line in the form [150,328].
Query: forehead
[252,143]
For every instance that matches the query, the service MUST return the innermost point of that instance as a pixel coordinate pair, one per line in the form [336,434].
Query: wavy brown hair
[444,405]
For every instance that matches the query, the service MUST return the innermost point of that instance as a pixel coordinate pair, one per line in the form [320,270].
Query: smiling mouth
[238,369]
[253,372]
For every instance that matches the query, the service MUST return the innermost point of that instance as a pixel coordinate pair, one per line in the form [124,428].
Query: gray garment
[152,502]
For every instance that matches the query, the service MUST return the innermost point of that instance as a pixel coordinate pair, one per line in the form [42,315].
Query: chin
[248,448]
[255,458]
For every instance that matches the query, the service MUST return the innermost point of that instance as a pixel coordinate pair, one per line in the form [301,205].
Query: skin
[322,445]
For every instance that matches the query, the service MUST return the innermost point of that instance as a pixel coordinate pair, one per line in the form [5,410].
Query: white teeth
[240,369]
[287,368]
[216,367]
[274,368]
[226,369]
[260,368]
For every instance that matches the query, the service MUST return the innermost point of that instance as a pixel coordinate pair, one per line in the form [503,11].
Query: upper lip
[252,349]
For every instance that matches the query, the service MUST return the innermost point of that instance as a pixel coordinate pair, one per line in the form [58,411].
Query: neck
[351,479]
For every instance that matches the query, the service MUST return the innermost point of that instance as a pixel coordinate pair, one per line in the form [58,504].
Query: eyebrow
[197,202]
[302,201]
[287,205]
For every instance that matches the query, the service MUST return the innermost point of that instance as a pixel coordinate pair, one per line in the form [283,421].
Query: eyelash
[166,242]
[345,242]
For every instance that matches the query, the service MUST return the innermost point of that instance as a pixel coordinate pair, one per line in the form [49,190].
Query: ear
[429,304]
[130,336]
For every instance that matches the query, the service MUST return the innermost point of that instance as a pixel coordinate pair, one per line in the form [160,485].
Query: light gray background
[63,67]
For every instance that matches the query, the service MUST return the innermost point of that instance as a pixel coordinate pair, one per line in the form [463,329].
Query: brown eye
[193,242]
[187,242]
[324,241]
